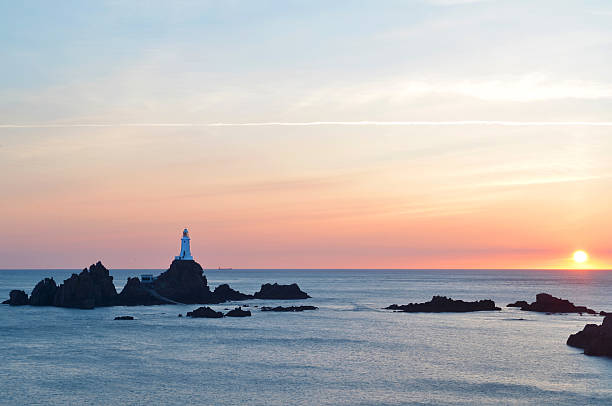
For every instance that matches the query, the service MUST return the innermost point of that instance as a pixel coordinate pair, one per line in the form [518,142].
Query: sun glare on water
[580,257]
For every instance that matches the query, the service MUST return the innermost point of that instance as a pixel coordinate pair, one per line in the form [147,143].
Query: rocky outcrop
[135,294]
[124,318]
[594,339]
[443,304]
[205,312]
[184,282]
[546,303]
[280,292]
[43,293]
[288,308]
[90,288]
[223,293]
[519,303]
[238,312]
[17,298]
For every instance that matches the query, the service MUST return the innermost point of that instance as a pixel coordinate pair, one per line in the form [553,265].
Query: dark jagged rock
[134,294]
[17,298]
[546,303]
[205,312]
[124,318]
[287,309]
[43,293]
[90,288]
[184,282]
[519,303]
[238,312]
[594,339]
[280,292]
[440,304]
[223,293]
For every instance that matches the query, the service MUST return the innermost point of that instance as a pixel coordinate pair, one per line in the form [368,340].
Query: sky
[395,134]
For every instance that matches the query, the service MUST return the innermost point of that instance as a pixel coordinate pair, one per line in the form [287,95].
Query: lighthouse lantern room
[185,253]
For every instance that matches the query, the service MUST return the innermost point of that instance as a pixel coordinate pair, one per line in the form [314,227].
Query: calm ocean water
[350,352]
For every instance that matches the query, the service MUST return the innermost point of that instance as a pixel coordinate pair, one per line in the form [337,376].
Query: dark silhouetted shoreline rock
[223,293]
[183,283]
[287,309]
[17,298]
[280,292]
[443,304]
[90,288]
[124,318]
[43,293]
[205,312]
[546,303]
[134,294]
[519,303]
[594,339]
[238,312]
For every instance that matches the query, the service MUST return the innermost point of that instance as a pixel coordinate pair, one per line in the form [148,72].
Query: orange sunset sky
[87,172]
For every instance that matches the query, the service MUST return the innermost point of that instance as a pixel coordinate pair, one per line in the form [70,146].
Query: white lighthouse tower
[185,253]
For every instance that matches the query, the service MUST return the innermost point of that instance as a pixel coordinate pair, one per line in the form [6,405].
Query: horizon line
[320,123]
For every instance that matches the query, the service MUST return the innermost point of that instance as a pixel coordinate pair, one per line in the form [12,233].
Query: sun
[580,256]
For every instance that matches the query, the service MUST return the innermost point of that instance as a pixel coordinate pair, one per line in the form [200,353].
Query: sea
[348,352]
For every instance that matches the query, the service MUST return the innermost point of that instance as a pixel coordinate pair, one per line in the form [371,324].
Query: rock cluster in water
[594,339]
[205,312]
[17,298]
[546,303]
[276,291]
[442,304]
[184,282]
[287,309]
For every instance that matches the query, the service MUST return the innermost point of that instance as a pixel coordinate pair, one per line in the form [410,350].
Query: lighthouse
[185,253]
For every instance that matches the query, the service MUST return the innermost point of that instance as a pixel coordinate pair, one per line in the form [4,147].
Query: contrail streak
[325,123]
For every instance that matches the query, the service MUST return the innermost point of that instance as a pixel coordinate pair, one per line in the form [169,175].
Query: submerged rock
[17,298]
[238,312]
[287,309]
[442,304]
[90,288]
[280,292]
[546,303]
[124,318]
[594,339]
[43,293]
[205,312]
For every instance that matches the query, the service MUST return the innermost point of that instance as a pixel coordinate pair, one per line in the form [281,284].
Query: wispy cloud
[325,123]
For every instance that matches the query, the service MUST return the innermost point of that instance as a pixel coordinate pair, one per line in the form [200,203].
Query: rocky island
[546,303]
[594,339]
[183,283]
[443,304]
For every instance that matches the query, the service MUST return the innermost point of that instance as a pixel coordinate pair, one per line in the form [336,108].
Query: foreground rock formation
[238,312]
[17,298]
[594,339]
[546,303]
[288,308]
[205,312]
[183,283]
[442,304]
